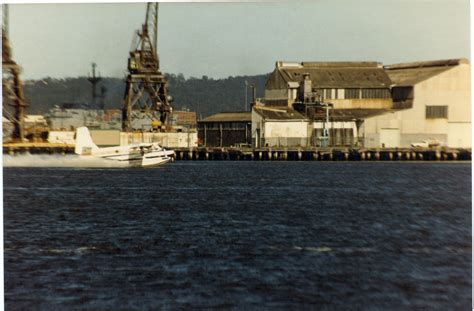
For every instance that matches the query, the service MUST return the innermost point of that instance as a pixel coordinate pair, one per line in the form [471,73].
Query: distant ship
[69,116]
[134,155]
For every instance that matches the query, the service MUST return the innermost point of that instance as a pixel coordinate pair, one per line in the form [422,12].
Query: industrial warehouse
[431,101]
[353,105]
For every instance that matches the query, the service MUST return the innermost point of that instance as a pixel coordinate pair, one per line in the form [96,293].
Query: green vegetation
[204,95]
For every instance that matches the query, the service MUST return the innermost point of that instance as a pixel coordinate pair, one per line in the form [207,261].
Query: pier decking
[323,154]
[275,154]
[37,148]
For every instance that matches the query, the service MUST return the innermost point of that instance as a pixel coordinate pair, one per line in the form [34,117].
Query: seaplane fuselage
[134,155]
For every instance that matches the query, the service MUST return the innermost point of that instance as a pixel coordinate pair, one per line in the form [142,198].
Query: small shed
[225,129]
[279,127]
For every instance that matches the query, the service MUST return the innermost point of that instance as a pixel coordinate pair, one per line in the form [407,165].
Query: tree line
[205,96]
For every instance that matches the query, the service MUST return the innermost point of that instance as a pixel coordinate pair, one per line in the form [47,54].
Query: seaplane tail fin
[84,143]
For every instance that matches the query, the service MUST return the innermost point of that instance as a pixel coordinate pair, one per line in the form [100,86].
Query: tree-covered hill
[203,95]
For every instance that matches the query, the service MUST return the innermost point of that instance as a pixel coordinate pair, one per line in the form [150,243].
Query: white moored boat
[134,155]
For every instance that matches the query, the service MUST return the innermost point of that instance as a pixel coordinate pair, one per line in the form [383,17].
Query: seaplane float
[133,155]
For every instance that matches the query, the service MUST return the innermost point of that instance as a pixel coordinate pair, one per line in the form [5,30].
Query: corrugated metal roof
[244,116]
[342,64]
[412,76]
[279,114]
[341,77]
[409,74]
[332,75]
[358,74]
[432,63]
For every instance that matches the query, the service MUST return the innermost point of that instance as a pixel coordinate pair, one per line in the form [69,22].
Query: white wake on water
[29,160]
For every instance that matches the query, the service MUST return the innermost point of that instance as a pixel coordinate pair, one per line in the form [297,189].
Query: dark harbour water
[239,235]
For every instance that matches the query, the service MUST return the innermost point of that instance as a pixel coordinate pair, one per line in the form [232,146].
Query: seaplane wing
[135,155]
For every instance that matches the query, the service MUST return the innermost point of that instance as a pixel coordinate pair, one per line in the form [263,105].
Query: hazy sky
[223,39]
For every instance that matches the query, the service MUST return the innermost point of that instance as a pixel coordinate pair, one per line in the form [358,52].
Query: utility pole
[254,94]
[246,88]
[325,142]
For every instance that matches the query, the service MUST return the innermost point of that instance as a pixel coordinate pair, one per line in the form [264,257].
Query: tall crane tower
[145,92]
[14,105]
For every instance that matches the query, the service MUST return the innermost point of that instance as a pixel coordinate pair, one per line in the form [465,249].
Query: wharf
[37,148]
[275,154]
[323,154]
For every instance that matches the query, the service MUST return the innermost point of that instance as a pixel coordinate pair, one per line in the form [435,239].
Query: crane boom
[5,19]
[151,21]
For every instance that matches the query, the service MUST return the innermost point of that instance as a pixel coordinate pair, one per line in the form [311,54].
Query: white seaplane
[134,155]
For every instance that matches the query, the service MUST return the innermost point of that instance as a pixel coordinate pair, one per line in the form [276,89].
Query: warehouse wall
[400,129]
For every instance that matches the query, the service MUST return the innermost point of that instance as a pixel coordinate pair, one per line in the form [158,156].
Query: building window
[375,93]
[402,93]
[436,112]
[328,93]
[352,93]
[238,126]
[339,94]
